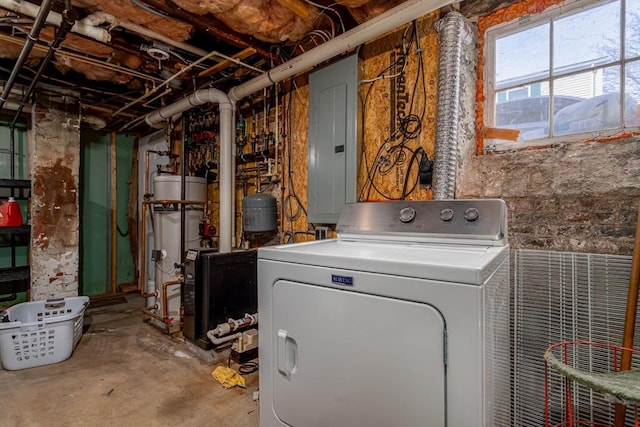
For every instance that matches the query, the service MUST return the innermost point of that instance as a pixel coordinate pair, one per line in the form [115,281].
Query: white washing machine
[402,320]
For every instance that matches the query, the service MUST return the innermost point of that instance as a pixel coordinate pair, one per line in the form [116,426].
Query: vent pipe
[390,20]
[453,32]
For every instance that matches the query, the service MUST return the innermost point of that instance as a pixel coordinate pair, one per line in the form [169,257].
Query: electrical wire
[248,368]
[390,156]
[330,7]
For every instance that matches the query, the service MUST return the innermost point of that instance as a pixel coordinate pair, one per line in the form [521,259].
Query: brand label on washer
[342,280]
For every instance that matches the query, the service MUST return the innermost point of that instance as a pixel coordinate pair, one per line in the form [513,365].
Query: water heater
[166,228]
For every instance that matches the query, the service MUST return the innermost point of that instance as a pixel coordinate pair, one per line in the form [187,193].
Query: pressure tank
[259,213]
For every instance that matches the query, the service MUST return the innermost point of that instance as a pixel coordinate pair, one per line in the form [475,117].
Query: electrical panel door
[333,116]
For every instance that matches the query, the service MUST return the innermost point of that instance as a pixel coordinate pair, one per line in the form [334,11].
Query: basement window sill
[504,146]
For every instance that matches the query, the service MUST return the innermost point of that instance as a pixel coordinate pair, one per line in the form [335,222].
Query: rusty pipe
[165,297]
[143,250]
[146,169]
[150,313]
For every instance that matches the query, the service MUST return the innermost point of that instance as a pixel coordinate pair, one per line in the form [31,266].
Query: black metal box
[217,286]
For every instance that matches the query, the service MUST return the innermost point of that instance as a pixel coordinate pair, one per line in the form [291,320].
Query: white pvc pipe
[217,341]
[54,18]
[202,97]
[143,31]
[391,19]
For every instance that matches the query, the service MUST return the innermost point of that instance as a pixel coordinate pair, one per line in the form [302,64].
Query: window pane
[632,90]
[522,57]
[586,39]
[599,107]
[530,114]
[632,34]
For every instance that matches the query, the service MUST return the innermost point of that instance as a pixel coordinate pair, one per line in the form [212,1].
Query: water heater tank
[259,213]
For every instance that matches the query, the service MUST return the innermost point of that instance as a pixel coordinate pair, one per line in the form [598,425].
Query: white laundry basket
[40,332]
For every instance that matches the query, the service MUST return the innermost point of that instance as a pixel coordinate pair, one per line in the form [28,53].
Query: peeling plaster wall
[55,154]
[580,197]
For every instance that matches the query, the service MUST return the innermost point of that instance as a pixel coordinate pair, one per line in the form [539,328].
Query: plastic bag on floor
[228,377]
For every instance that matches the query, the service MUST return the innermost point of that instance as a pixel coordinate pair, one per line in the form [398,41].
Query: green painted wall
[95,208]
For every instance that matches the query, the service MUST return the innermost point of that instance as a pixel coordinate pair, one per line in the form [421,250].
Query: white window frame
[529,21]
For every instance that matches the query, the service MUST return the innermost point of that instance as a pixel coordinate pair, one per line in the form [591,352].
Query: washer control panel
[483,219]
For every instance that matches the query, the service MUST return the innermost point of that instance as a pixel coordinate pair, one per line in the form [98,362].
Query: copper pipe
[146,169]
[113,279]
[165,297]
[143,251]
[630,318]
[152,314]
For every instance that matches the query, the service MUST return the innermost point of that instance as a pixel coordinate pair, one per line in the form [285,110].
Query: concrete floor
[125,372]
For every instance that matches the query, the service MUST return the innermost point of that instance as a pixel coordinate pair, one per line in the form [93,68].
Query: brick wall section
[581,197]
[55,154]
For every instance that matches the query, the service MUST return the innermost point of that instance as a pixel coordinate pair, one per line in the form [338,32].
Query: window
[567,72]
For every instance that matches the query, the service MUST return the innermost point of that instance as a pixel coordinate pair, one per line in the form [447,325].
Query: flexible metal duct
[453,31]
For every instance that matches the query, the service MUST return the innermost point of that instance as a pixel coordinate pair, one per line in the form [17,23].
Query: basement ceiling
[126,58]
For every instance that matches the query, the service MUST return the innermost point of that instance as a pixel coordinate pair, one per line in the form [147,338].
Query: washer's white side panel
[347,359]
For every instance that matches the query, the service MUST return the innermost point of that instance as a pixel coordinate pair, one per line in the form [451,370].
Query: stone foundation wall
[580,197]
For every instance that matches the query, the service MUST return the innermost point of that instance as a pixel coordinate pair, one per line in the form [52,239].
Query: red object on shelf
[10,215]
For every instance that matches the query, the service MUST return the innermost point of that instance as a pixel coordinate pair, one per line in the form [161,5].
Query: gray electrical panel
[333,150]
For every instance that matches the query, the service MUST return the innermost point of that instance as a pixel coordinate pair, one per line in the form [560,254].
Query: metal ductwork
[453,32]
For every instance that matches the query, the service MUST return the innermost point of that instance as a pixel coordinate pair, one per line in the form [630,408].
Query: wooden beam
[114,216]
[500,133]
[630,319]
[227,62]
[298,7]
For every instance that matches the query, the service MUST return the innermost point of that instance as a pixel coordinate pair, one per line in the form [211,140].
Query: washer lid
[470,264]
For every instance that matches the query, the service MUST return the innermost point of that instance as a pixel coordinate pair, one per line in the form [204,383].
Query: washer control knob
[407,214]
[471,214]
[446,214]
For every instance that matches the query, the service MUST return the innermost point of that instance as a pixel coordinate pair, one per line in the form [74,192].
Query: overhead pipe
[453,31]
[26,49]
[393,18]
[68,19]
[53,18]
